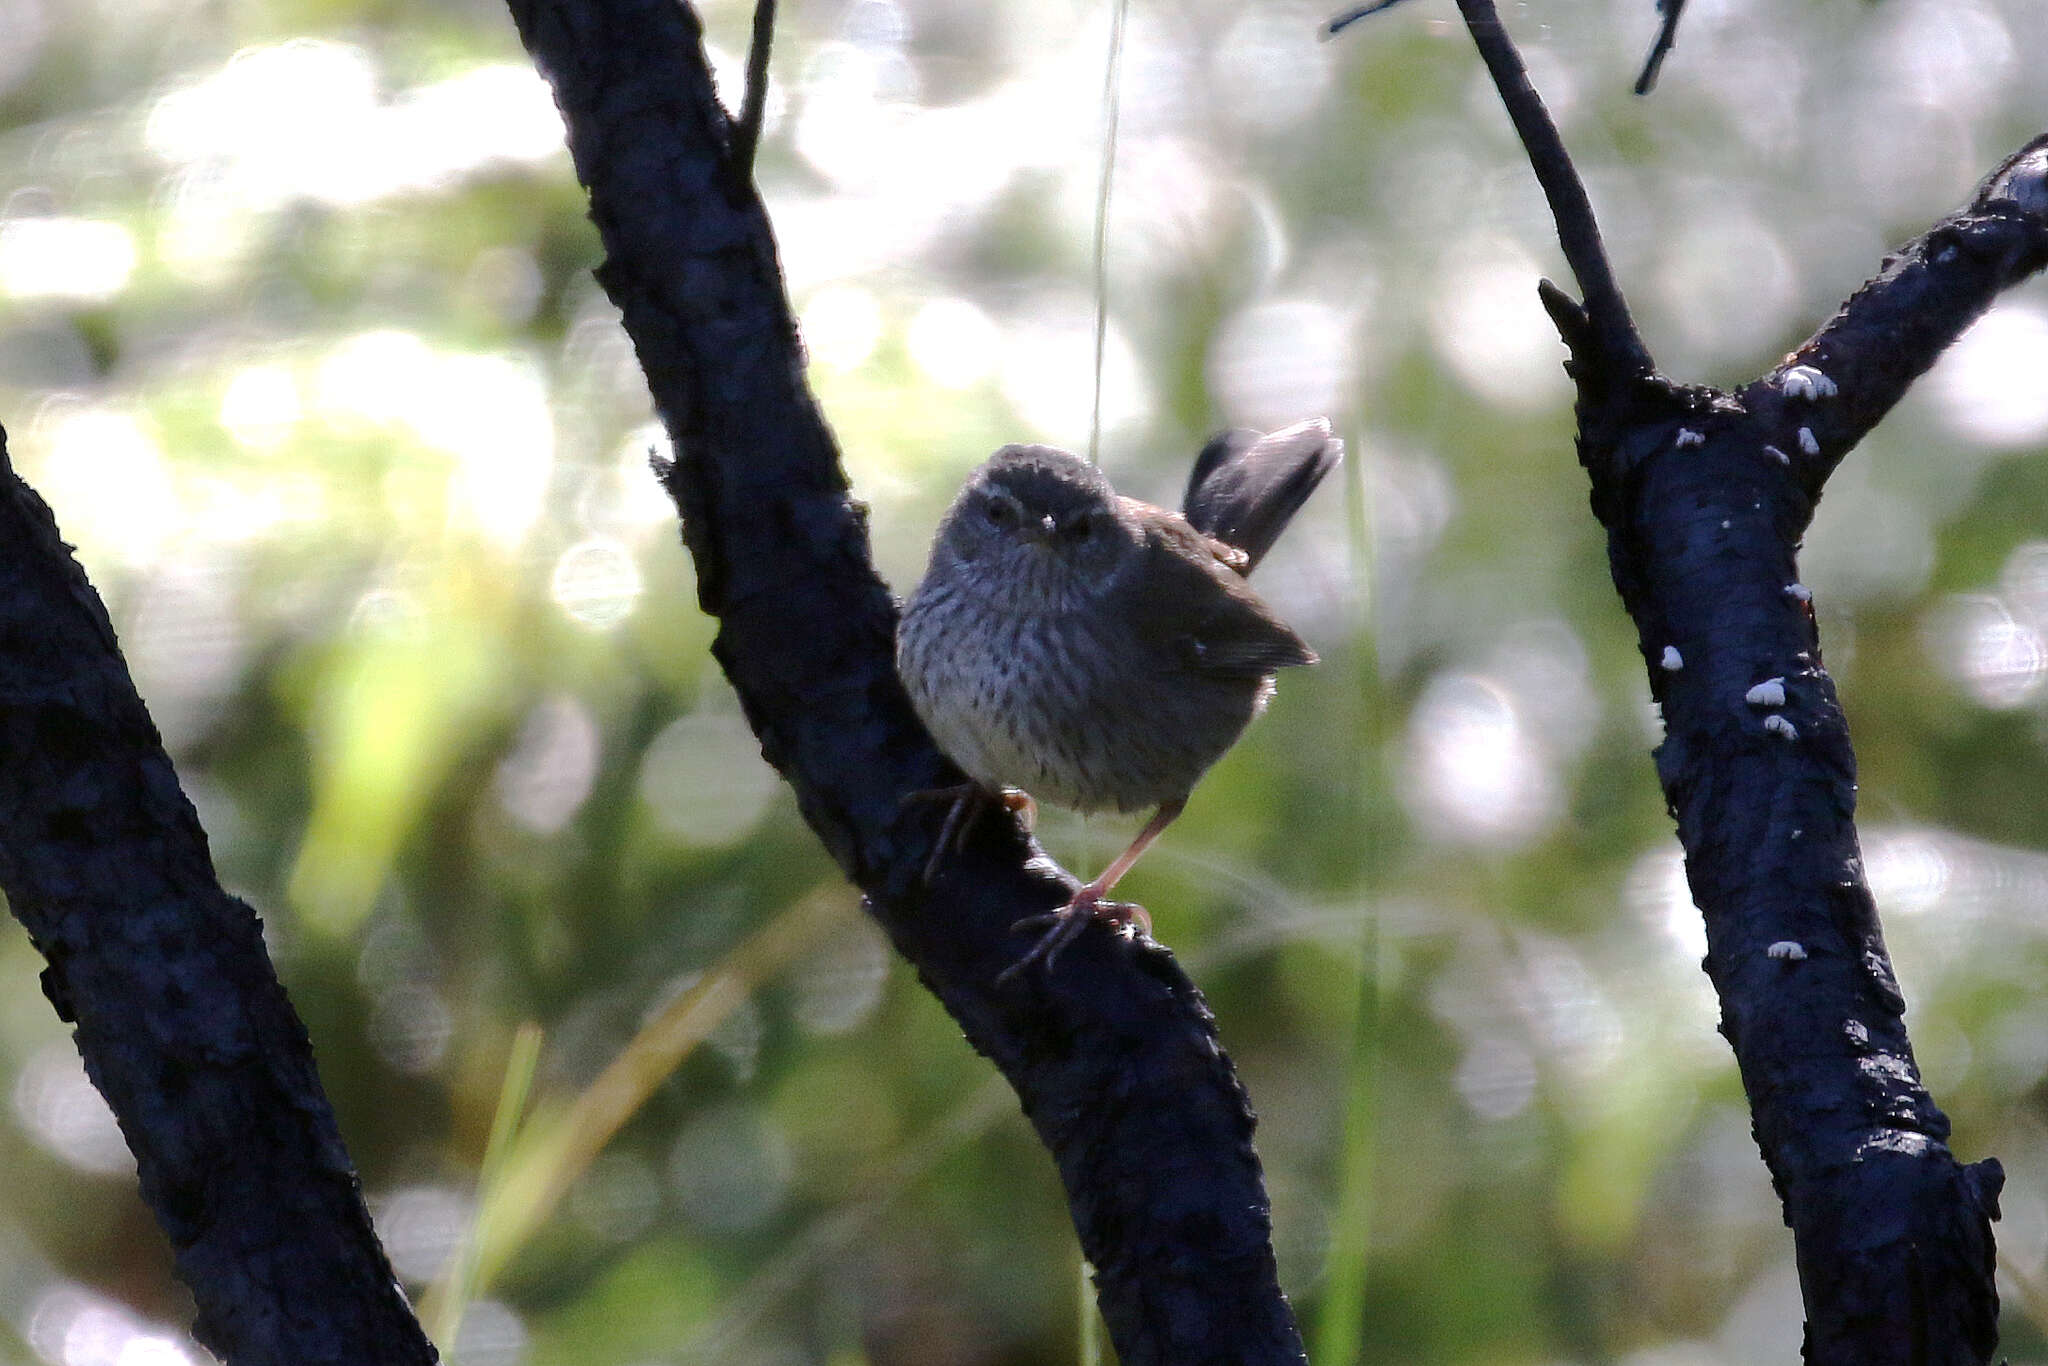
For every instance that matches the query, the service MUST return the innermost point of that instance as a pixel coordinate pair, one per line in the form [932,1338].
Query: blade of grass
[560,1142]
[445,1304]
[1340,1318]
[1084,1303]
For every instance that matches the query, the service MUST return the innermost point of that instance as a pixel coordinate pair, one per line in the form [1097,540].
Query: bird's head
[1038,528]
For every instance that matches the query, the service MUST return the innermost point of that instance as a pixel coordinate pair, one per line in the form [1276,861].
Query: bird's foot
[968,803]
[1061,927]
[1016,799]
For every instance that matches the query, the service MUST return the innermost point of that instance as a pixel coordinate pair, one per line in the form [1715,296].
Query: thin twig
[1577,231]
[1351,16]
[746,134]
[1667,34]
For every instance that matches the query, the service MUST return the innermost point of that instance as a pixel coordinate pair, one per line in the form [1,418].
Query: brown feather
[1196,610]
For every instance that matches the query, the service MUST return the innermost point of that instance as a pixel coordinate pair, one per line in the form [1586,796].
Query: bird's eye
[1001,511]
[1080,529]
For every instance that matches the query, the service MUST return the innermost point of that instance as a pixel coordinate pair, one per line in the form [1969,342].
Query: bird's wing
[1196,610]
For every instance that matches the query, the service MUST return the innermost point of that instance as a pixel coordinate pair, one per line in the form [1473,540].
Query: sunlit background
[300,341]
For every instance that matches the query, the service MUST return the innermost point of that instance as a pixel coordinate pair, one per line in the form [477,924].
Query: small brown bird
[1098,651]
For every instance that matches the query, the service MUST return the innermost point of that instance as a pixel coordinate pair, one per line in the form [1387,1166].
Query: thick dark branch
[1115,1056]
[1705,496]
[1577,232]
[1820,400]
[1893,1237]
[181,1021]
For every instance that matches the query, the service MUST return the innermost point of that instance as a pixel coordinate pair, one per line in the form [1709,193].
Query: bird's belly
[1042,703]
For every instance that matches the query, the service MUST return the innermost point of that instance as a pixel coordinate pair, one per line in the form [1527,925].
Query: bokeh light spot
[704,780]
[65,258]
[105,477]
[1724,275]
[410,1026]
[730,1168]
[69,1325]
[60,1109]
[1657,893]
[625,498]
[1496,1078]
[1476,775]
[856,99]
[954,343]
[597,582]
[838,987]
[186,645]
[261,407]
[1976,640]
[544,780]
[1048,372]
[492,414]
[374,377]
[1908,870]
[1272,66]
[840,326]
[1280,360]
[422,1226]
[1989,385]
[1488,325]
[618,1197]
[491,1335]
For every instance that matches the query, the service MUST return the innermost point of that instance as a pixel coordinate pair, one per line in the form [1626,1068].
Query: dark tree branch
[1577,231]
[746,133]
[1115,1057]
[1704,496]
[1667,37]
[181,1021]
[1891,330]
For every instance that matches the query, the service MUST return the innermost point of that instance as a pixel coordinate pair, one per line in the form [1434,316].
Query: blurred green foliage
[298,337]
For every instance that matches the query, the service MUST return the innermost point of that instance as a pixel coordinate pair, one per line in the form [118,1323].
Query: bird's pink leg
[1090,903]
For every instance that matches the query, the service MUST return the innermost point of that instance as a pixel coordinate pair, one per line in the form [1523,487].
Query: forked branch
[1114,1057]
[1704,495]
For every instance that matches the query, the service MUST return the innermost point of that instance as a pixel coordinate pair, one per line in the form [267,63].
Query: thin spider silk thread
[1112,92]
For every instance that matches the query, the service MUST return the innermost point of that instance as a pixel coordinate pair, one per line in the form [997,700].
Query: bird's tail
[1246,488]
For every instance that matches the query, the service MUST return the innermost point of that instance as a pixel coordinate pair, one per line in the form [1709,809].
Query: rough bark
[1704,495]
[181,1020]
[1114,1055]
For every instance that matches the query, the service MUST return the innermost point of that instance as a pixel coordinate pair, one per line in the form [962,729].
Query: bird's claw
[1062,926]
[966,804]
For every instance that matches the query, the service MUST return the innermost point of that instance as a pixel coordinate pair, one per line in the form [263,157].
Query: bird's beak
[1041,530]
